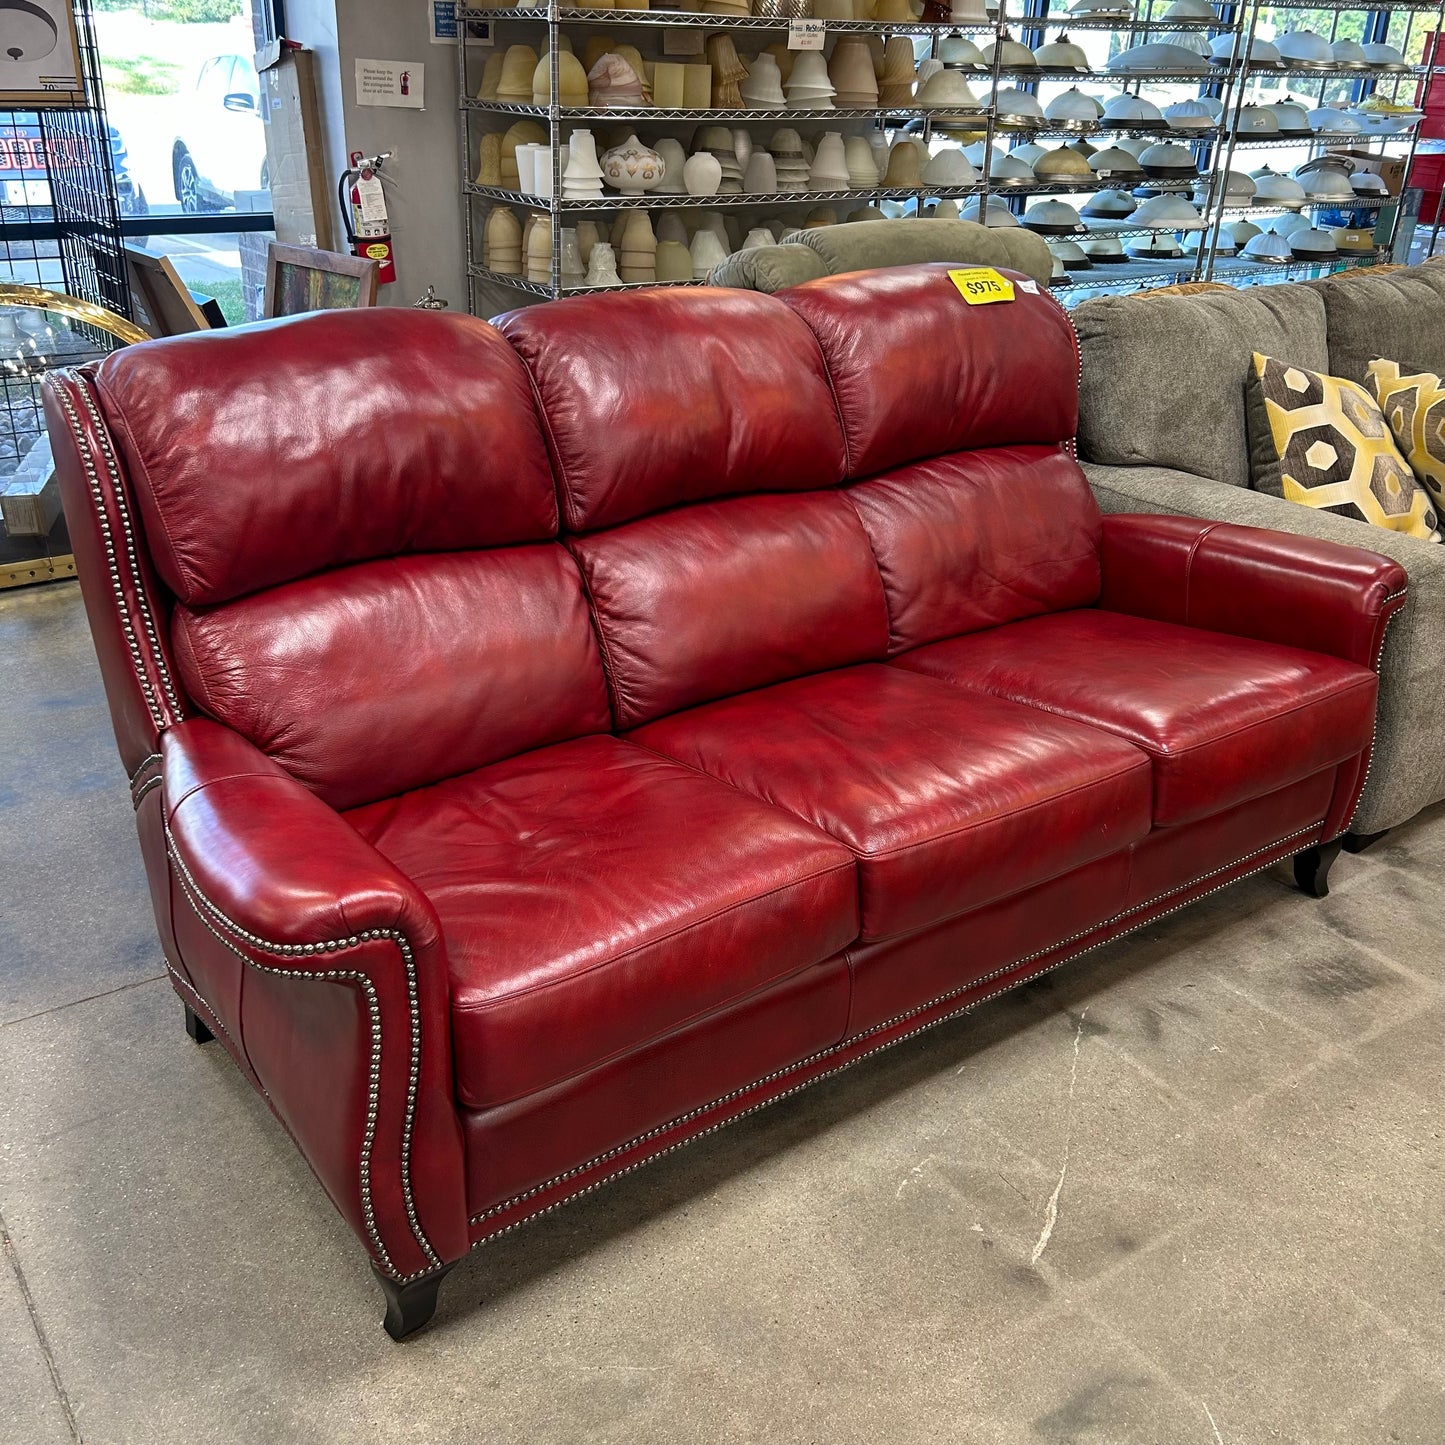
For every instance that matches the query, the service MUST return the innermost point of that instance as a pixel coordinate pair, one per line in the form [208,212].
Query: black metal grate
[66,234]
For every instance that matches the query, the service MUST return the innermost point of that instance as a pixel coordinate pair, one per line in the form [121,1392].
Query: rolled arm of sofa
[326,969]
[1408,772]
[1269,586]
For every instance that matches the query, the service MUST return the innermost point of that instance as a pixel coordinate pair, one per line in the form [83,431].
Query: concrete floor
[1236,1115]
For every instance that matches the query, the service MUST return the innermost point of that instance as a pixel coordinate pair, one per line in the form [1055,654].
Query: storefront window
[184,101]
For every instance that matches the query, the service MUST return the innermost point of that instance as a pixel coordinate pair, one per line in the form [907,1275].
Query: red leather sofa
[550,742]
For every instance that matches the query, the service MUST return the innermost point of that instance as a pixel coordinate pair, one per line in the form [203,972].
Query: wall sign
[443,19]
[39,55]
[806,34]
[400,84]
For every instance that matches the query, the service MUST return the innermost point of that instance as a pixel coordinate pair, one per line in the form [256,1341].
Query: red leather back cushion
[271,452]
[392,674]
[979,539]
[652,398]
[726,596]
[918,372]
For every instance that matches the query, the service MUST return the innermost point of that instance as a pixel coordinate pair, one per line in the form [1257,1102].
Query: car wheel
[188,184]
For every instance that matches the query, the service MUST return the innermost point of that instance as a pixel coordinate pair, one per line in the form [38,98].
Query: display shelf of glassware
[653,121]
[904,113]
[1325,110]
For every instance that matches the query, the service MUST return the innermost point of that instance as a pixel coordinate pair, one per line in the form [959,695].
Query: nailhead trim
[88,461]
[123,508]
[143,765]
[521,1198]
[212,1016]
[1375,726]
[290,950]
[1073,441]
[148,786]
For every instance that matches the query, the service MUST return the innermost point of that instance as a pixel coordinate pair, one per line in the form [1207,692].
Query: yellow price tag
[981,285]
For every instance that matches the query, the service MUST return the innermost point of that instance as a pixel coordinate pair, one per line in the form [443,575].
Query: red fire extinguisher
[363,209]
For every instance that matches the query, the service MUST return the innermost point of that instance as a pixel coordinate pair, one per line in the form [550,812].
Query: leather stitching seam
[1157,750]
[604,652]
[874,855]
[679,932]
[290,950]
[1189,568]
[887,1023]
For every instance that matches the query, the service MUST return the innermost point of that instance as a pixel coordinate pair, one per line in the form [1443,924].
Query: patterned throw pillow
[1414,405]
[1323,441]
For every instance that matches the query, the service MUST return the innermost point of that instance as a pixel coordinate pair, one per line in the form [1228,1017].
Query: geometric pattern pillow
[1415,408]
[1324,442]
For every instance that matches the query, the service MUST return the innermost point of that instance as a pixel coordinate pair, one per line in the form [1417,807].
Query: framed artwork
[39,55]
[167,305]
[301,279]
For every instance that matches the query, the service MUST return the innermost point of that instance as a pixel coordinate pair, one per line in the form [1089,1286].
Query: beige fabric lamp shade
[502,241]
[489,159]
[673,262]
[491,75]
[515,82]
[539,250]
[596,47]
[633,57]
[850,68]
[571,80]
[905,164]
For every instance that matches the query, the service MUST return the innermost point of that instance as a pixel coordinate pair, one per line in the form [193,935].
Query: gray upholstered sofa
[869,245]
[1162,429]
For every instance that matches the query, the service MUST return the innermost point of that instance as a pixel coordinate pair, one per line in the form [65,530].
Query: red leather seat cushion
[1225,719]
[594,896]
[948,800]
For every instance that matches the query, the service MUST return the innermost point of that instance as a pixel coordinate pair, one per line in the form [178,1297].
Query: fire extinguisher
[363,210]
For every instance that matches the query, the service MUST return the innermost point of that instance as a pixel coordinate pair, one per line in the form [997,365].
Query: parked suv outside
[222,147]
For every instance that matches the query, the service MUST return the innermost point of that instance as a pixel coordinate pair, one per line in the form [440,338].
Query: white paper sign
[397,83]
[806,34]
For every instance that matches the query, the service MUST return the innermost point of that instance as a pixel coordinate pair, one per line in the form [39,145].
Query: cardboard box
[1391,169]
[295,153]
[30,497]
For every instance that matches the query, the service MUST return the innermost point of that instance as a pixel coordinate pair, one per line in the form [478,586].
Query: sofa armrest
[1408,771]
[326,970]
[1269,586]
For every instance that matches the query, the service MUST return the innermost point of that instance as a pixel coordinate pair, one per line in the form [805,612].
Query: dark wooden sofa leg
[196,1027]
[1312,868]
[1358,842]
[410,1306]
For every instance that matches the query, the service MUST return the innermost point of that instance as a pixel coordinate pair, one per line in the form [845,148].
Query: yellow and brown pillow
[1414,406]
[1323,441]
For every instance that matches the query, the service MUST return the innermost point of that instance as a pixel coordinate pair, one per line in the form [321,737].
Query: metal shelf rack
[1232,80]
